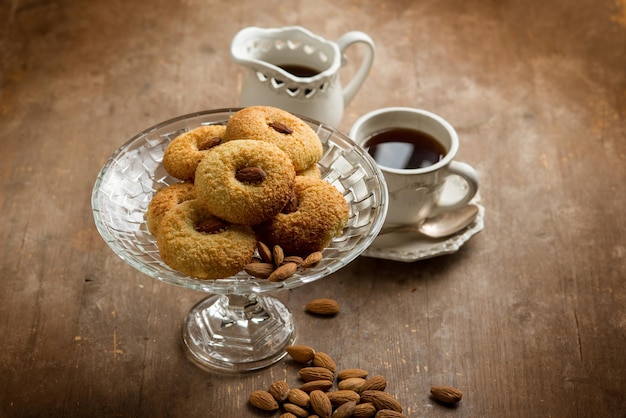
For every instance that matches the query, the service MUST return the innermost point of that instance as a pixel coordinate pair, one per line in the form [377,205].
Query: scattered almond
[278,255]
[351,383]
[322,306]
[374,383]
[293,259]
[381,400]
[321,404]
[309,374]
[263,400]
[364,410]
[279,390]
[322,385]
[339,397]
[264,252]
[324,360]
[312,259]
[446,394]
[295,410]
[259,270]
[299,397]
[301,353]
[345,410]
[283,272]
[348,373]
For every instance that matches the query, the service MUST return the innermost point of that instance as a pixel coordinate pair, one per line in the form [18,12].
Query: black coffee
[299,70]
[404,148]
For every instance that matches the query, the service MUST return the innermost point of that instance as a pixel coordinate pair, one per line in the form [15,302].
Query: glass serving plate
[239,327]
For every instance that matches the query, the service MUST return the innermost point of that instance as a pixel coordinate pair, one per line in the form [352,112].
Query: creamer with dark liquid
[403,148]
[299,70]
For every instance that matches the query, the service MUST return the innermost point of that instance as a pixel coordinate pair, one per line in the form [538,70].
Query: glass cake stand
[239,327]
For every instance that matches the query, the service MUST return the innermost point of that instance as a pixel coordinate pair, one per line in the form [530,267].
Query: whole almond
[250,175]
[263,400]
[381,400]
[389,413]
[281,128]
[312,259]
[264,252]
[309,374]
[299,397]
[324,360]
[446,394]
[278,254]
[322,306]
[279,390]
[300,353]
[322,385]
[342,396]
[293,259]
[364,410]
[283,272]
[291,205]
[296,410]
[345,410]
[287,415]
[348,373]
[374,383]
[321,404]
[209,143]
[210,225]
[259,270]
[351,383]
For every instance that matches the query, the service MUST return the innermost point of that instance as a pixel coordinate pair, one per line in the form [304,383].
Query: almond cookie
[245,181]
[184,153]
[278,127]
[200,245]
[308,224]
[164,200]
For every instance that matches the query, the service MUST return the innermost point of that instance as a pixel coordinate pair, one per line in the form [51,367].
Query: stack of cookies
[255,179]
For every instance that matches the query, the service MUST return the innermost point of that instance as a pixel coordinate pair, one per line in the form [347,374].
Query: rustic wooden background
[528,319]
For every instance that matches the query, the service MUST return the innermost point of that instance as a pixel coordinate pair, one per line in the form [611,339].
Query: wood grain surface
[528,318]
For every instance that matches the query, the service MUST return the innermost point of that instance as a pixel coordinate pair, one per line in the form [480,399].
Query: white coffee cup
[416,193]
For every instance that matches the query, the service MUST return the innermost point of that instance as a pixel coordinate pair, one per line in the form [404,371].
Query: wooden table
[528,318]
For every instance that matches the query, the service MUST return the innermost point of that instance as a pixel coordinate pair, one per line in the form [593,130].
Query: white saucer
[407,246]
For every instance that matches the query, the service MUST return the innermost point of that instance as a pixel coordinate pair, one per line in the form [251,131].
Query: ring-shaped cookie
[245,199]
[164,200]
[320,214]
[182,155]
[205,255]
[276,126]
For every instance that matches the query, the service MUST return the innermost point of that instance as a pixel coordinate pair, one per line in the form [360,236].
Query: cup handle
[344,42]
[470,176]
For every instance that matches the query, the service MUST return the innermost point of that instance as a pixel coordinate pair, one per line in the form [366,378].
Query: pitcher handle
[347,40]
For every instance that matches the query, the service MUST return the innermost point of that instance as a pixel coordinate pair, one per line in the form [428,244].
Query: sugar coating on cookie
[322,213]
[184,153]
[208,256]
[164,200]
[278,127]
[227,195]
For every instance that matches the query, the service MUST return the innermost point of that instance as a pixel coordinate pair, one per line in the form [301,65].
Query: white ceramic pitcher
[298,71]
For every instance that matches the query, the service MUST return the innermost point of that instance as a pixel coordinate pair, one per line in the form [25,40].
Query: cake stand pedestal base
[237,333]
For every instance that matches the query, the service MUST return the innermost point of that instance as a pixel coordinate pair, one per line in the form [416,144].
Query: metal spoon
[439,226]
